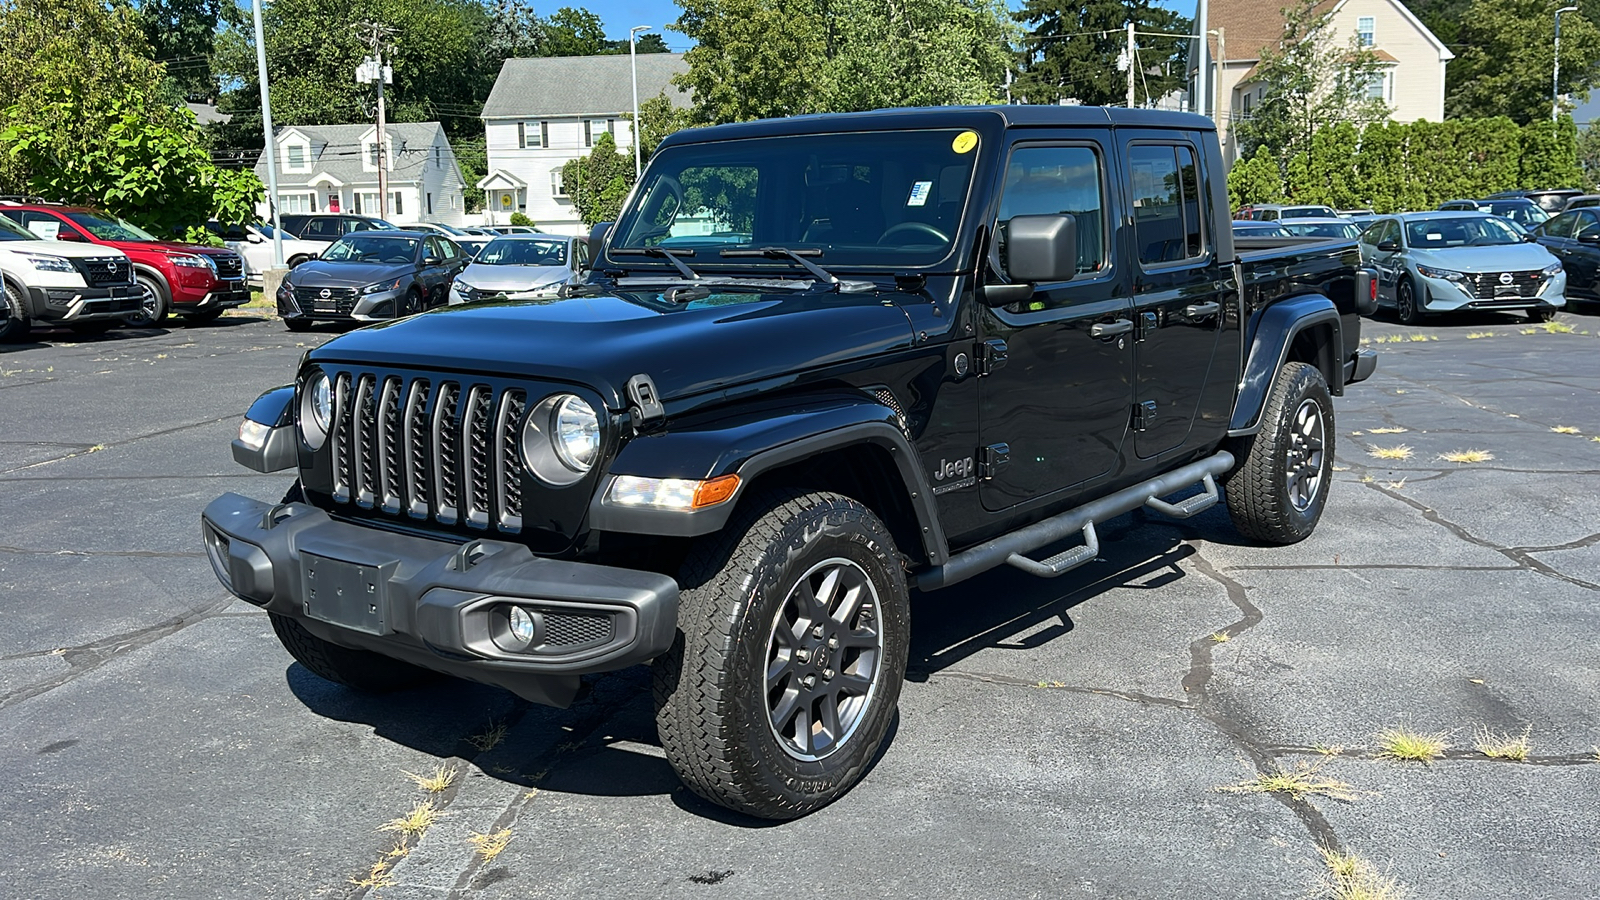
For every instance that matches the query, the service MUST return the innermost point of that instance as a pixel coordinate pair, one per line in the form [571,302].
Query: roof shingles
[581,85]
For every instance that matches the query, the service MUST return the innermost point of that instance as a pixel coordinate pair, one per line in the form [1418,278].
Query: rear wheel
[360,669]
[153,305]
[1277,492]
[13,315]
[297,260]
[1405,304]
[794,628]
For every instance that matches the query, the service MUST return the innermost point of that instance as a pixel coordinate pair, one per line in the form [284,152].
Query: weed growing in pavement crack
[1422,338]
[1328,749]
[1220,637]
[1467,456]
[1480,334]
[1556,328]
[1298,782]
[1395,485]
[1503,746]
[1399,451]
[489,738]
[490,844]
[1349,877]
[1390,430]
[441,778]
[1565,429]
[414,823]
[1405,745]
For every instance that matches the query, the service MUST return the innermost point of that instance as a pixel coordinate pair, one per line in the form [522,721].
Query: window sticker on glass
[50,231]
[1435,236]
[919,193]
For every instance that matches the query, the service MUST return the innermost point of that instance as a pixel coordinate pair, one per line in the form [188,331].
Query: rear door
[1180,288]
[1058,390]
[1582,257]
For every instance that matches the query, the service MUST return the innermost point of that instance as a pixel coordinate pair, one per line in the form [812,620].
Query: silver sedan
[522,267]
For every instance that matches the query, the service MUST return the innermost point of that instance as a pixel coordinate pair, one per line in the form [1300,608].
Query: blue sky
[620,15]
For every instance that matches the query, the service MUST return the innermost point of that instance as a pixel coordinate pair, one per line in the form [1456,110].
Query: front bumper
[378,307]
[440,605]
[83,304]
[226,295]
[1443,295]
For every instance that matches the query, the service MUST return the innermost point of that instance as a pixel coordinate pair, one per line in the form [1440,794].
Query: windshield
[1523,213]
[110,228]
[883,199]
[1323,229]
[1305,212]
[1476,231]
[523,252]
[365,248]
[11,231]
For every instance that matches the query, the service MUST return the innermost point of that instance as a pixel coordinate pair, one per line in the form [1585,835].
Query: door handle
[1201,310]
[1110,329]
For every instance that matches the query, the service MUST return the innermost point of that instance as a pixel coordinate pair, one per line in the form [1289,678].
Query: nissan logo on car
[1507,278]
[325,294]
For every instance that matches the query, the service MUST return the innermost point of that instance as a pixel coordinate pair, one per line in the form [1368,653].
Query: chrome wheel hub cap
[1303,463]
[823,656]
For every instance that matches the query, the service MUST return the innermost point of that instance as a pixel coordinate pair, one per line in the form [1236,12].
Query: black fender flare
[1279,325]
[750,443]
[280,448]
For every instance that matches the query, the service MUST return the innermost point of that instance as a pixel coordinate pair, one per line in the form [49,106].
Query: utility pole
[638,127]
[373,68]
[1202,70]
[1555,79]
[1222,59]
[1132,63]
[271,143]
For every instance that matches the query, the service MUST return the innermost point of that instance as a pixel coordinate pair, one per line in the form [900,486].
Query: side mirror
[1589,237]
[1388,246]
[1038,249]
[432,260]
[67,234]
[597,238]
[1529,237]
[253,238]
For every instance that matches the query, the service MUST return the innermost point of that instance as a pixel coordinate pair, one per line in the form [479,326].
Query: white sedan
[254,243]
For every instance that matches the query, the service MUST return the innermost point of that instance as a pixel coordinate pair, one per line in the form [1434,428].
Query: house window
[372,156]
[533,135]
[1364,28]
[438,156]
[297,203]
[558,187]
[395,209]
[429,196]
[294,159]
[593,128]
[367,203]
[1377,87]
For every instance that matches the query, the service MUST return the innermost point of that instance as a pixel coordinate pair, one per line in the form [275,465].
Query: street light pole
[1555,79]
[633,63]
[266,133]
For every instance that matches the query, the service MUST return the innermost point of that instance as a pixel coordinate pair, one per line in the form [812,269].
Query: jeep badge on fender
[734,450]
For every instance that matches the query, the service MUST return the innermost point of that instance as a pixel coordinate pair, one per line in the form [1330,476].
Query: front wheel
[794,631]
[1277,492]
[1542,313]
[153,305]
[13,315]
[1405,304]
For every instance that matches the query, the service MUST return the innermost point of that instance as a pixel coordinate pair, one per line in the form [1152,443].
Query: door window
[1560,226]
[1168,221]
[435,250]
[1587,223]
[1057,181]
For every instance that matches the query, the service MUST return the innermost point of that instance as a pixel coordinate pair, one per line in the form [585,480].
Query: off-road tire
[297,324]
[712,689]
[1258,490]
[14,325]
[362,670]
[1405,303]
[153,308]
[1542,313]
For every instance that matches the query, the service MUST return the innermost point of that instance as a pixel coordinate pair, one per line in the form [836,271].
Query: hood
[493,279]
[1508,258]
[318,273]
[602,341]
[165,247]
[68,249]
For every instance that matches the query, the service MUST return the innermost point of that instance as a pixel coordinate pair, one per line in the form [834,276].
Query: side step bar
[1011,549]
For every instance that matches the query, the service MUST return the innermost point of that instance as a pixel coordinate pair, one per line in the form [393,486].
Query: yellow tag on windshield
[964,142]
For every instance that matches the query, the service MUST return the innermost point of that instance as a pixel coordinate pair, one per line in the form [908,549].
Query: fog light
[521,625]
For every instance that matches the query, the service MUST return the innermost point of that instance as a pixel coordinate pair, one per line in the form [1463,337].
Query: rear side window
[1587,223]
[1560,226]
[1057,181]
[1168,218]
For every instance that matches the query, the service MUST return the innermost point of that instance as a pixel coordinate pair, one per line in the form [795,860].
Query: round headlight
[316,409]
[576,433]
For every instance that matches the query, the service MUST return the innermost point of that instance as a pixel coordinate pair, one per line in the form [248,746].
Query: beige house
[1411,83]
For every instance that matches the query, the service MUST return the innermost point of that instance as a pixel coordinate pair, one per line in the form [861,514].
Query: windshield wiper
[798,256]
[670,256]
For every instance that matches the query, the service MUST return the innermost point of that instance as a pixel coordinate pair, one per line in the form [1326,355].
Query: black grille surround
[441,452]
[1488,286]
[100,271]
[230,266]
[339,301]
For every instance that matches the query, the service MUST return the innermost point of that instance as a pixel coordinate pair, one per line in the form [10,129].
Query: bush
[520,219]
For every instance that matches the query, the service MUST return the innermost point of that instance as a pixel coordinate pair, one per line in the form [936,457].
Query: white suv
[87,287]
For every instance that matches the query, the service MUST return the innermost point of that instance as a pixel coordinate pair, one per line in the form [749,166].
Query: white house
[334,168]
[1413,59]
[544,112]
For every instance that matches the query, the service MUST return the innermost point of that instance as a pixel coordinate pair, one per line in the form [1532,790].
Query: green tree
[1549,155]
[1588,151]
[1073,48]
[1506,55]
[768,58]
[597,183]
[1442,17]
[575,32]
[1255,179]
[660,117]
[1310,84]
[181,34]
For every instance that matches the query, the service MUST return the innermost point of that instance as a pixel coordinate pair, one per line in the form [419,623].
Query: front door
[1388,263]
[1061,401]
[1179,292]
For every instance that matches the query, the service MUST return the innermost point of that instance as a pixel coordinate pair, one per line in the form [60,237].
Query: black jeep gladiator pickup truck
[820,361]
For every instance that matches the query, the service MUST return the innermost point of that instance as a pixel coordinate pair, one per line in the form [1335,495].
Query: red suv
[189,280]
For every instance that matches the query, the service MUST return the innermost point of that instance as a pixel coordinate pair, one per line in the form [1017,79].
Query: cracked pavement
[1056,738]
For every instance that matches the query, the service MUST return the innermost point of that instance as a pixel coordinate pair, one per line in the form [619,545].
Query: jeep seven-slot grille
[428,449]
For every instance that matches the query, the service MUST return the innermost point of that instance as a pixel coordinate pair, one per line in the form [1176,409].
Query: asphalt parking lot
[1061,738]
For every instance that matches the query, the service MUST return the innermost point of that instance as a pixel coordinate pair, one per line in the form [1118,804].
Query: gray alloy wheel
[823,657]
[1405,304]
[152,309]
[13,318]
[1303,471]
